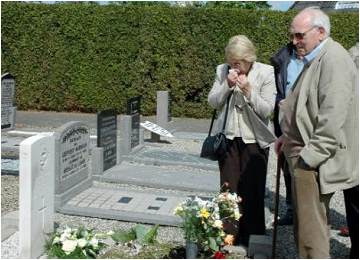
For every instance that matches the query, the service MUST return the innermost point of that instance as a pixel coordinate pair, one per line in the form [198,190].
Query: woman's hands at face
[244,85]
[232,77]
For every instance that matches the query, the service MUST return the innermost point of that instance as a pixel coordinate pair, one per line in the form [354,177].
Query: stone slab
[127,205]
[157,177]
[151,155]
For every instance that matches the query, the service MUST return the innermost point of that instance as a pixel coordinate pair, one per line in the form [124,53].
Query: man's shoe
[286,220]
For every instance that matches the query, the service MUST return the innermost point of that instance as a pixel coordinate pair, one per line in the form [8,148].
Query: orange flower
[229,240]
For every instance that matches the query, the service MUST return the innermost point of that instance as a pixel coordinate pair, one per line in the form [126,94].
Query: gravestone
[8,110]
[72,143]
[36,195]
[163,112]
[107,136]
[133,110]
[163,108]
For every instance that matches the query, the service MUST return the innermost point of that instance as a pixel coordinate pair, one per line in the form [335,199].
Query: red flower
[344,231]
[219,255]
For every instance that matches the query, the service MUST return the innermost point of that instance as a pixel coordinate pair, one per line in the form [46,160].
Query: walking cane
[276,210]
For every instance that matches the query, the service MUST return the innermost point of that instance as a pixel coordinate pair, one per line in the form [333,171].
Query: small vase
[191,250]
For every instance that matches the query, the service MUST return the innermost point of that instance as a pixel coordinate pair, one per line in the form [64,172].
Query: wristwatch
[303,165]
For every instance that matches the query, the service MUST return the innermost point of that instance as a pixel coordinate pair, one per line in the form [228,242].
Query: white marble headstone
[37,189]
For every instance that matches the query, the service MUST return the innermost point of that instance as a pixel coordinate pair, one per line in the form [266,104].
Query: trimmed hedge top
[71,57]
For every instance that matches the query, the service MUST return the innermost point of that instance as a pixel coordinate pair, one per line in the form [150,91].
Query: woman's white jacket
[257,110]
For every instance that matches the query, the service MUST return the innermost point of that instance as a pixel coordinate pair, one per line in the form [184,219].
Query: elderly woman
[252,88]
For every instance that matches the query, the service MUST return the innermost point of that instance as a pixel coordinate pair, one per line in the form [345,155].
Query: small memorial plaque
[125,200]
[156,129]
[7,101]
[133,109]
[153,208]
[107,136]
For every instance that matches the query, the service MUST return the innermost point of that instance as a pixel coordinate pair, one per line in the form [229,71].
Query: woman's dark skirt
[244,170]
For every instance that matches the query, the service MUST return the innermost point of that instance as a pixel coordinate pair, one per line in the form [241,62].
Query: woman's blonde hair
[240,48]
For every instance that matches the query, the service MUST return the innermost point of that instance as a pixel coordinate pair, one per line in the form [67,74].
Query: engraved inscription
[74,151]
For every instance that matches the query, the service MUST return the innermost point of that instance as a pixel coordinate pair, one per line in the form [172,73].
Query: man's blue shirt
[296,66]
[293,70]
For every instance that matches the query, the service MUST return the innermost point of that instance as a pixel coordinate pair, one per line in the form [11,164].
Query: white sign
[156,129]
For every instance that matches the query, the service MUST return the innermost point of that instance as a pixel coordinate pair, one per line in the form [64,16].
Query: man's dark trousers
[351,197]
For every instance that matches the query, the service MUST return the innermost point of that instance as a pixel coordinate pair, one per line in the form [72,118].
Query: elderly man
[319,121]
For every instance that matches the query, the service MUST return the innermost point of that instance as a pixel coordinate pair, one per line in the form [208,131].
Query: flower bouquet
[75,243]
[203,219]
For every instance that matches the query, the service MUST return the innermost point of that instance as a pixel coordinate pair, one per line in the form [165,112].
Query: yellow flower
[204,213]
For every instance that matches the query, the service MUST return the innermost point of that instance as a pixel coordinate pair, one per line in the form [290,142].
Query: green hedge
[71,57]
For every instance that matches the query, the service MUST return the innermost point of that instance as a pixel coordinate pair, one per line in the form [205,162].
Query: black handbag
[215,147]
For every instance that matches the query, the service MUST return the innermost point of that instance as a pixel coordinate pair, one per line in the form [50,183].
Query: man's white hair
[318,18]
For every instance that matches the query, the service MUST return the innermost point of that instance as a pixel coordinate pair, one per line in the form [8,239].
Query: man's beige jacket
[254,113]
[328,119]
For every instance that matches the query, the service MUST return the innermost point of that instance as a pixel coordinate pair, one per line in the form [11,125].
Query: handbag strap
[226,113]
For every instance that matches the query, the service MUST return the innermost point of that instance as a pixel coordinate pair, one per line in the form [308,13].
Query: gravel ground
[285,244]
[9,193]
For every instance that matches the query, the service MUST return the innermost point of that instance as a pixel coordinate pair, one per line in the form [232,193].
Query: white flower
[69,246]
[81,242]
[218,224]
[94,242]
[200,202]
[64,236]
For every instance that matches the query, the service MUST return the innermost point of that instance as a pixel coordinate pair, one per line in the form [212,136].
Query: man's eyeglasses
[300,36]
